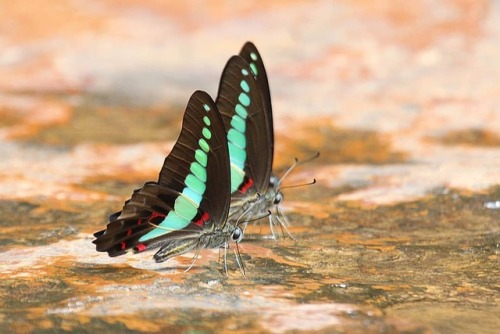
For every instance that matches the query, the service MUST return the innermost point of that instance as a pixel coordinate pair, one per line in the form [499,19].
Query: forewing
[240,101]
[191,195]
[252,56]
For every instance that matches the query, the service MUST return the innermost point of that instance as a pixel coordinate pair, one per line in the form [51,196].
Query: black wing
[240,101]
[252,56]
[192,193]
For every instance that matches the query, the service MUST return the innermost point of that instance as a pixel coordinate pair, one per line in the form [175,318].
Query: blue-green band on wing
[191,196]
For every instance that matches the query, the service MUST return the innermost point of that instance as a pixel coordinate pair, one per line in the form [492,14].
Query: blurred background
[418,74]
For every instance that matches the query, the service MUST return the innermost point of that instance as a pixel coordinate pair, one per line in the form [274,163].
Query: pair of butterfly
[217,177]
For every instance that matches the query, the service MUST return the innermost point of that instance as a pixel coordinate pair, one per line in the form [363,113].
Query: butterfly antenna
[315,156]
[296,162]
[300,185]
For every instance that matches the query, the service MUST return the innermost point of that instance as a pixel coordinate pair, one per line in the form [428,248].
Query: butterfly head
[237,234]
[274,195]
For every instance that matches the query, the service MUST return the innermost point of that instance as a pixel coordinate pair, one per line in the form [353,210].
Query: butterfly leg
[271,224]
[283,223]
[239,260]
[225,257]
[195,257]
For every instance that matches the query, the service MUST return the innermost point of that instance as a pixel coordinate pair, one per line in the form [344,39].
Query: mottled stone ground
[399,235]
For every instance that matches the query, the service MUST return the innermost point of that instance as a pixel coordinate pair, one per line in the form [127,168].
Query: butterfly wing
[201,154]
[192,193]
[240,101]
[252,56]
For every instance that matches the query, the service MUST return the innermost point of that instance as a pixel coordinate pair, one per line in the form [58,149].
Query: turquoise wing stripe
[238,155]
[253,67]
[185,206]
[238,124]
[206,133]
[237,176]
[236,135]
[193,196]
[241,111]
[199,171]
[187,203]
[171,223]
[195,184]
[237,138]
[244,99]
[201,157]
[244,86]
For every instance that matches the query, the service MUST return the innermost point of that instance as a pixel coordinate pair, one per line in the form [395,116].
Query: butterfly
[244,100]
[187,208]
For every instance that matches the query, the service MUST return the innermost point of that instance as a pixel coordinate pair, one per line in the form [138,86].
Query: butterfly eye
[237,234]
[273,181]
[278,198]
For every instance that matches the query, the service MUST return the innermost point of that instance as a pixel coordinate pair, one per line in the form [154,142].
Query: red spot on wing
[247,185]
[140,248]
[124,245]
[156,214]
[139,222]
[204,217]
[129,232]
